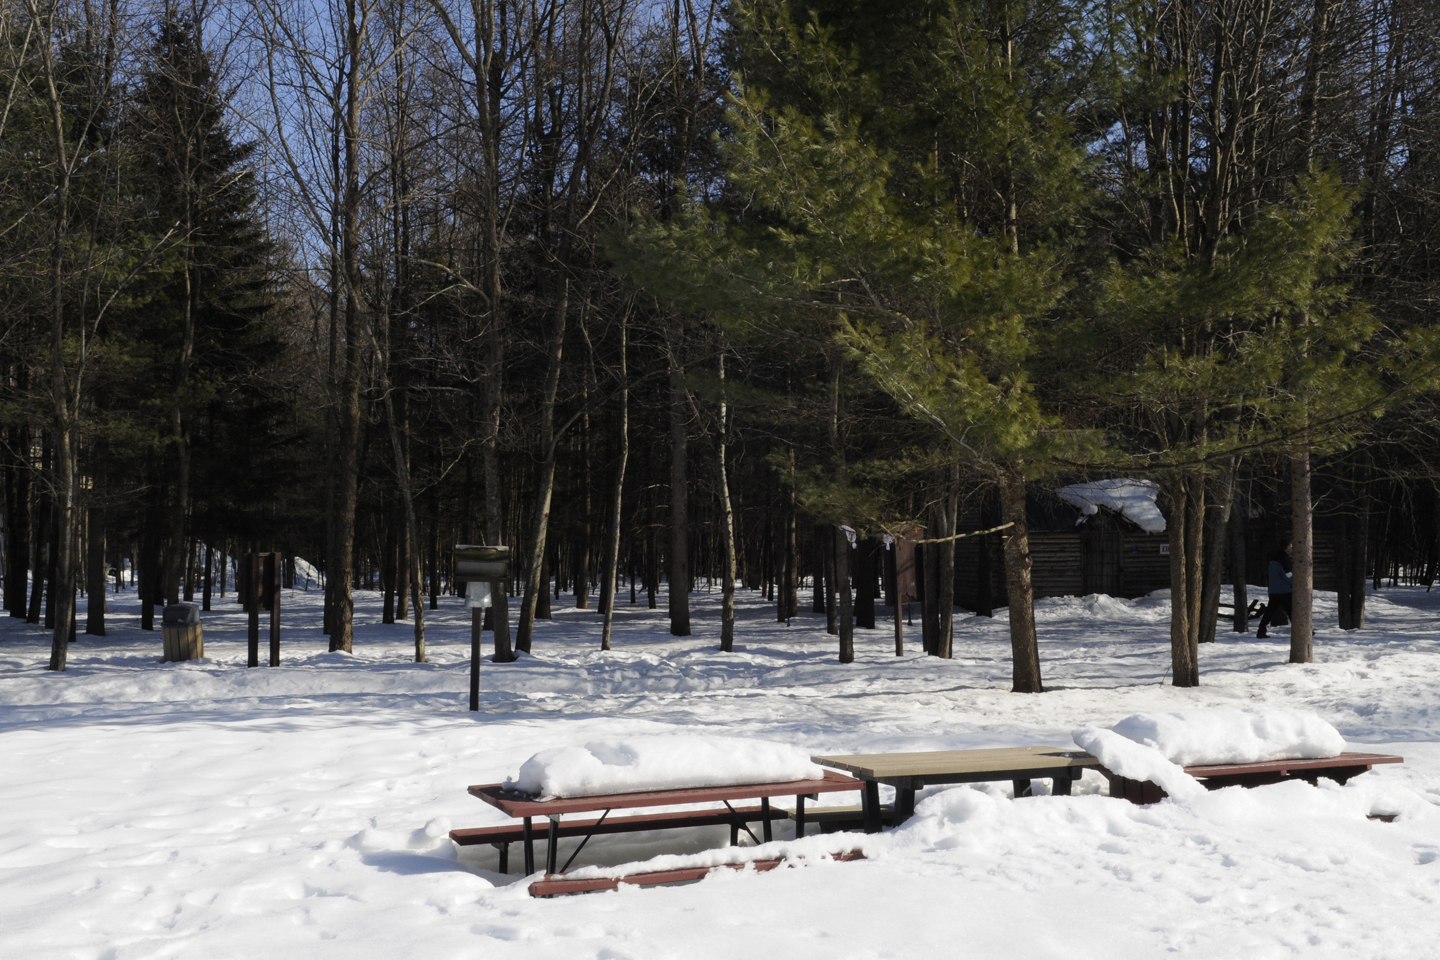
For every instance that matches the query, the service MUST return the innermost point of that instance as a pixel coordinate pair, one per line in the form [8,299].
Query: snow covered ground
[206,810]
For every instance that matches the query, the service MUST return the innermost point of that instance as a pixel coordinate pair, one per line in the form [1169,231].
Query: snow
[1228,735]
[1136,761]
[1132,499]
[201,809]
[634,764]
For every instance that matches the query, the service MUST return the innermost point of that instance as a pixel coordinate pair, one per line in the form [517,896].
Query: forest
[712,296]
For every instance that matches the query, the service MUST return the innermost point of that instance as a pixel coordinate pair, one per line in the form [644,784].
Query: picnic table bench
[909,772]
[1226,611]
[1214,776]
[527,808]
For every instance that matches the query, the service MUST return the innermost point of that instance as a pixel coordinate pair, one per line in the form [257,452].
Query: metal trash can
[184,638]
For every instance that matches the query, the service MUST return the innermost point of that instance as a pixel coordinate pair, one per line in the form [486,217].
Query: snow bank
[659,763]
[1137,761]
[1224,735]
[1132,499]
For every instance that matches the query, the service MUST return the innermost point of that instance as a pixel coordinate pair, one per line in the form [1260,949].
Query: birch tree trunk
[727,522]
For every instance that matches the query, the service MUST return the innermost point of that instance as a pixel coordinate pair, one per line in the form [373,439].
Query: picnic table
[909,772]
[527,809]
[1216,775]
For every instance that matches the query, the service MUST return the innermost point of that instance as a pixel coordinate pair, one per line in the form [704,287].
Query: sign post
[485,571]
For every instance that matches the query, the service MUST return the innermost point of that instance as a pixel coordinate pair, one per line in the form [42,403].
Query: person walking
[1282,590]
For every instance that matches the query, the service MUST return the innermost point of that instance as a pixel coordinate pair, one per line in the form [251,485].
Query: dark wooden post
[477,621]
[252,605]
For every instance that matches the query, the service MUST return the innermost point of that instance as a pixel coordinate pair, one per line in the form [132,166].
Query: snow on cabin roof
[1132,499]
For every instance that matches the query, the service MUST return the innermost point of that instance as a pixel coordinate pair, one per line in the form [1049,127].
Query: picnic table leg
[870,803]
[529,847]
[1060,785]
[734,834]
[1022,788]
[799,816]
[765,812]
[904,804]
[504,849]
[552,845]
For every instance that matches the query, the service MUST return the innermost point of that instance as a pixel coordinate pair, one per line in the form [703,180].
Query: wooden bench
[527,808]
[735,818]
[1227,610]
[1214,776]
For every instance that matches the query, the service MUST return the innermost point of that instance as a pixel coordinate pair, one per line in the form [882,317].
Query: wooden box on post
[487,565]
[181,633]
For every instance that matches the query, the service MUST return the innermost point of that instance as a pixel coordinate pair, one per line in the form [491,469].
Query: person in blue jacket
[1282,589]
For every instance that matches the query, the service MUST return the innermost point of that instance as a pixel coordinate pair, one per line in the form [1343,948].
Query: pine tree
[893,181]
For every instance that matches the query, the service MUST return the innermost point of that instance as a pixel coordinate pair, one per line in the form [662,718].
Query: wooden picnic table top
[517,804]
[977,764]
[1287,766]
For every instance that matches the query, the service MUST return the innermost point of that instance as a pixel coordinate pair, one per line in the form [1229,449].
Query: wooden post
[252,584]
[477,620]
[274,571]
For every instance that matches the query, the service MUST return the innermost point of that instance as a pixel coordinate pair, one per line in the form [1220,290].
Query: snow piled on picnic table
[1228,735]
[206,810]
[634,764]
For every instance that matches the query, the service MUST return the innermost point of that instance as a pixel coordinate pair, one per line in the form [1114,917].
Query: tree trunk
[347,473]
[612,538]
[865,585]
[823,538]
[1239,511]
[1303,560]
[583,534]
[945,574]
[841,591]
[984,572]
[17,528]
[1217,519]
[1187,511]
[929,559]
[41,563]
[789,600]
[727,523]
[1024,647]
[545,479]
[679,592]
[95,573]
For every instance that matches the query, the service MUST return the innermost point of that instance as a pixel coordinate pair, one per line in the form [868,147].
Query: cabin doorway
[1100,553]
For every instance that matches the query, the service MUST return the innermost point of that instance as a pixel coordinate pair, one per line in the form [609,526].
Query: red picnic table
[526,808]
[1258,774]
